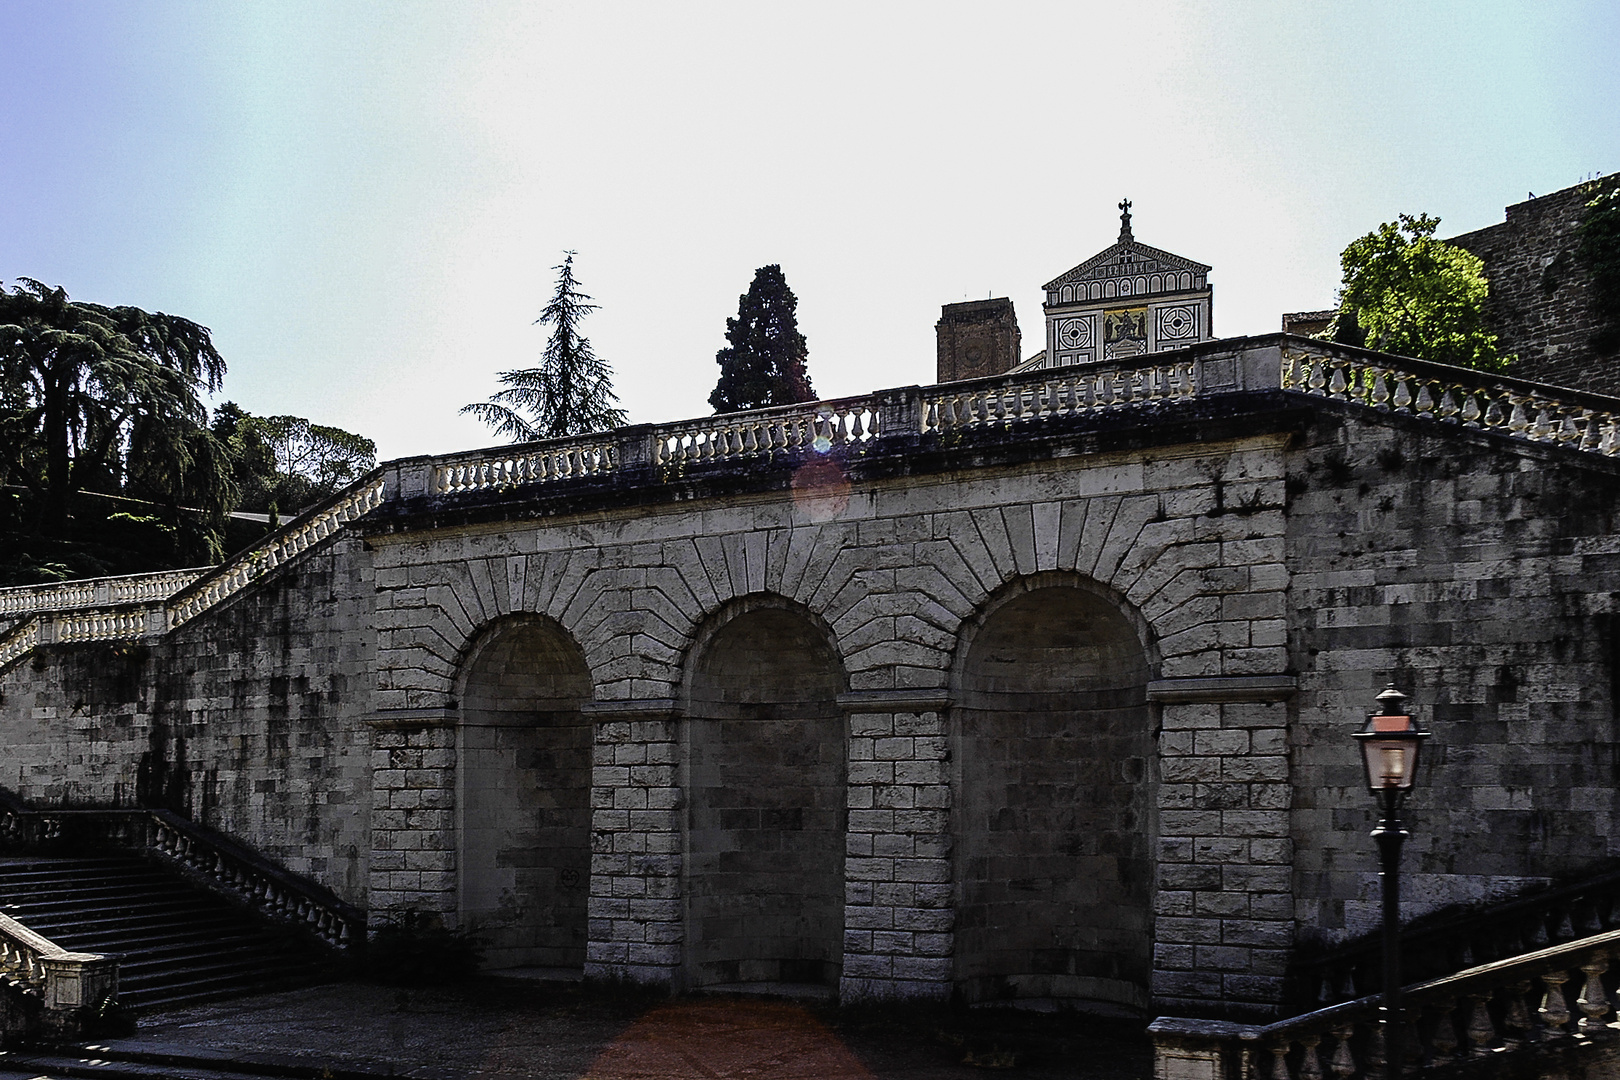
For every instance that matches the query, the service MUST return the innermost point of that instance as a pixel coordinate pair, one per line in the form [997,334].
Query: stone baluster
[1443,1041]
[1342,1065]
[1593,1002]
[1279,1060]
[1310,1065]
[1480,1031]
[1554,1012]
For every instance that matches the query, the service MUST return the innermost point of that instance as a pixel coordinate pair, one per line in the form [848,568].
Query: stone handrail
[113,609]
[1505,929]
[531,463]
[1057,393]
[66,985]
[1483,1010]
[1457,396]
[206,856]
[97,592]
[146,605]
[815,426]
[309,528]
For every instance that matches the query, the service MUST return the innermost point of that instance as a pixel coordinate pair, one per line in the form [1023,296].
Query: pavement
[490,1028]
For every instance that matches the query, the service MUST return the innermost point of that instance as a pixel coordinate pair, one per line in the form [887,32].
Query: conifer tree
[571,392]
[764,364]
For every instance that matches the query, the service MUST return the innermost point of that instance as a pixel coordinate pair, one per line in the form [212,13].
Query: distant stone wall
[1540,302]
[248,719]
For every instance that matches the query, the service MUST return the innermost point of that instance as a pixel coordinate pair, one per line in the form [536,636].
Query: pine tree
[571,392]
[764,364]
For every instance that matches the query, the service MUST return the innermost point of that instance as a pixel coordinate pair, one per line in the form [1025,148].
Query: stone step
[176,942]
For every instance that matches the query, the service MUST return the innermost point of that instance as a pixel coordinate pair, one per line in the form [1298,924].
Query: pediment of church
[1137,259]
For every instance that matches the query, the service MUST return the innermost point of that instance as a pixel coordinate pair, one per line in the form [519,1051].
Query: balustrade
[949,408]
[207,857]
[1480,402]
[545,462]
[1486,1009]
[762,433]
[1506,929]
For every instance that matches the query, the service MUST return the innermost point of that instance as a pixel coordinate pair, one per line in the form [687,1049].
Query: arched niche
[765,751]
[1054,824]
[523,795]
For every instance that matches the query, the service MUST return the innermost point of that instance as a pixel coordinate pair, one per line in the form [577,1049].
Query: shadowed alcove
[523,790]
[765,768]
[1053,823]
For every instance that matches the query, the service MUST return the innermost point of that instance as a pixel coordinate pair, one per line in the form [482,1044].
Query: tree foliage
[96,398]
[1405,292]
[764,364]
[571,392]
[284,463]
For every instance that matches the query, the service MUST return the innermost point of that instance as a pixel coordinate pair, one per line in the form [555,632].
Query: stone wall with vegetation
[1541,303]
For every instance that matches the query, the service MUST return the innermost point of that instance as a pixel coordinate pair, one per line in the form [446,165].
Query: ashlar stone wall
[1184,545]
[249,719]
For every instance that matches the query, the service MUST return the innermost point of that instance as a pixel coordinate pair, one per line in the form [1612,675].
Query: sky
[365,201]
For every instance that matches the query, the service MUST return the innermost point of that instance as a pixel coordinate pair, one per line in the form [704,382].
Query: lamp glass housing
[1389,750]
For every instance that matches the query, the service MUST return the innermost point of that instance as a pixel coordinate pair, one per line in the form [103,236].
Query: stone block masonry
[1540,303]
[1051,708]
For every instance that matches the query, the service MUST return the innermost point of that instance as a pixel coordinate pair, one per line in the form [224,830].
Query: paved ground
[496,1029]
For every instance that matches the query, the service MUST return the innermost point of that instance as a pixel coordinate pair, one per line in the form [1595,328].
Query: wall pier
[899,911]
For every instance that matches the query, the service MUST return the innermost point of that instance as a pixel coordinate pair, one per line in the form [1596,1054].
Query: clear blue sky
[365,201]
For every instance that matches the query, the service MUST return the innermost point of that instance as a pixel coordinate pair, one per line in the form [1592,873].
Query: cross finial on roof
[1125,221]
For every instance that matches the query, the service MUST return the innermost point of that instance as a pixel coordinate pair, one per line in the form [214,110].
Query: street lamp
[1389,751]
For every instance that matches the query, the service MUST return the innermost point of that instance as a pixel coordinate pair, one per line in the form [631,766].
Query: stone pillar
[1225,909]
[413,826]
[898,913]
[635,929]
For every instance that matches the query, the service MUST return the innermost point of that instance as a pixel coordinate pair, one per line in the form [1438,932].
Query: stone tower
[1126,300]
[976,338]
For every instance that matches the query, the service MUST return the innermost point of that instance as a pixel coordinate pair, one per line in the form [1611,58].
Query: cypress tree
[764,362]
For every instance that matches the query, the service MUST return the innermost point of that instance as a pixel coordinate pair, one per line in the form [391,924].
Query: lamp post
[1389,752]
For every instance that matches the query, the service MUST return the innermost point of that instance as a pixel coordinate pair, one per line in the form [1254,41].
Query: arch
[1124,286]
[1108,288]
[765,766]
[523,793]
[1186,280]
[1096,291]
[1068,294]
[1053,754]
[1156,283]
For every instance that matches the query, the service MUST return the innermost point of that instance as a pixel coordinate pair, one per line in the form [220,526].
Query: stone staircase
[177,942]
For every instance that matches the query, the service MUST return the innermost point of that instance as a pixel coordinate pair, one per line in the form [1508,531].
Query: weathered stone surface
[1062,712]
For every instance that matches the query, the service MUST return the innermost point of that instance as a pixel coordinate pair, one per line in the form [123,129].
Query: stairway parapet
[201,854]
[1512,1005]
[67,989]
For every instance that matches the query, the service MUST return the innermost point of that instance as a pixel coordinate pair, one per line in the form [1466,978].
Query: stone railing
[1457,396]
[148,605]
[1491,1009]
[1061,393]
[97,592]
[304,531]
[62,991]
[818,427]
[1428,951]
[533,463]
[666,452]
[209,858]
